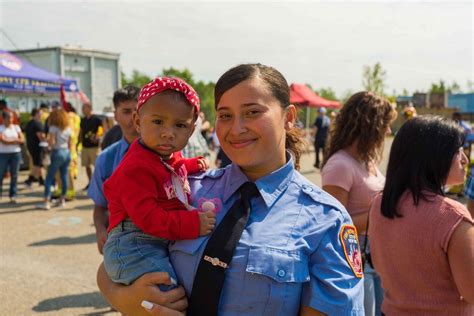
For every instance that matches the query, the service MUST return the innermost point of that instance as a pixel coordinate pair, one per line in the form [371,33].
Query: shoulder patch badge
[350,244]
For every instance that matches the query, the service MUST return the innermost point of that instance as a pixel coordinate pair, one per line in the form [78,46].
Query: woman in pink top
[350,171]
[423,242]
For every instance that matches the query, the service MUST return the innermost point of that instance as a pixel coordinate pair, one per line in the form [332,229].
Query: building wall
[463,101]
[444,112]
[105,83]
[47,59]
[78,67]
[96,72]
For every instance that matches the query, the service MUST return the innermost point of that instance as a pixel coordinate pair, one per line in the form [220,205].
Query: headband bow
[161,84]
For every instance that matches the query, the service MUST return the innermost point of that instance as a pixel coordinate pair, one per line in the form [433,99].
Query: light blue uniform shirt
[105,165]
[289,254]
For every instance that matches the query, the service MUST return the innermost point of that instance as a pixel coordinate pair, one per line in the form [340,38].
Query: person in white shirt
[10,153]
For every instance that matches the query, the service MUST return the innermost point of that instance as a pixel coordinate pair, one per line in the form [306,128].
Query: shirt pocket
[277,276]
[278,264]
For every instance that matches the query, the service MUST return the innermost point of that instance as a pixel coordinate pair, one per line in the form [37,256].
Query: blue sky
[325,44]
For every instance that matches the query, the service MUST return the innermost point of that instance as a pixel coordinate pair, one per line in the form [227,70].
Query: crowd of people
[254,236]
[53,136]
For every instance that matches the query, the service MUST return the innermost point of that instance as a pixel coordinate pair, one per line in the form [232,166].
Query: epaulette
[320,196]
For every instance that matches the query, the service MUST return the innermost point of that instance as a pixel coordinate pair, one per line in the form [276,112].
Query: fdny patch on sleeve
[350,244]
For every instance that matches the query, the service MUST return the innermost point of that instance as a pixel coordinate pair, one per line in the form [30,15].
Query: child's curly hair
[364,117]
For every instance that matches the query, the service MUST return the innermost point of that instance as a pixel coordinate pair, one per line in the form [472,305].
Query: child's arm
[139,192]
[196,164]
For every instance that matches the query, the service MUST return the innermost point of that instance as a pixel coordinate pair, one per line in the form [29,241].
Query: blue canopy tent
[18,75]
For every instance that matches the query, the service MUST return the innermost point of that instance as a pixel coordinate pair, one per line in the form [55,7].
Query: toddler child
[148,193]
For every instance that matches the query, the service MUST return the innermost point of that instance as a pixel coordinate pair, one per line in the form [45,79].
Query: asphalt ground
[49,259]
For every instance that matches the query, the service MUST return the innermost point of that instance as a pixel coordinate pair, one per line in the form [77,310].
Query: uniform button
[307,188]
[281,273]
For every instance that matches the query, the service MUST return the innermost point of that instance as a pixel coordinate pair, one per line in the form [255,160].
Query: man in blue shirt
[125,102]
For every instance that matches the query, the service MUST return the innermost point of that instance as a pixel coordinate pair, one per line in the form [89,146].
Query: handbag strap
[367,233]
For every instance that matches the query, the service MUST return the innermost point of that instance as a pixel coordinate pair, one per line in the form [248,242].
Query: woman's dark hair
[278,87]
[420,160]
[364,117]
[6,115]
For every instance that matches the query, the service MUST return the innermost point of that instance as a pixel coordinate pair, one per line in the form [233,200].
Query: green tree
[438,87]
[327,93]
[205,90]
[138,79]
[184,74]
[123,78]
[346,95]
[454,88]
[373,78]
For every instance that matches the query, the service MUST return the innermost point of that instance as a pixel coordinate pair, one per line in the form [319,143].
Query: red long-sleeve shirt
[141,189]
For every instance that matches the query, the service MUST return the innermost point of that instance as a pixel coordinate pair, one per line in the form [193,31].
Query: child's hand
[203,164]
[207,221]
[101,239]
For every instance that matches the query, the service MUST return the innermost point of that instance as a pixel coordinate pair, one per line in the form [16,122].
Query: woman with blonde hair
[350,172]
[59,140]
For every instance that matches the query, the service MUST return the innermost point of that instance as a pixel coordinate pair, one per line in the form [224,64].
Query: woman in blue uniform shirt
[298,253]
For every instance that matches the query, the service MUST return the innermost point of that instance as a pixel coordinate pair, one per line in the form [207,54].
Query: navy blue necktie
[218,254]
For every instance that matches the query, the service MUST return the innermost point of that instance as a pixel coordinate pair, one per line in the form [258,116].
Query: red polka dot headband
[161,84]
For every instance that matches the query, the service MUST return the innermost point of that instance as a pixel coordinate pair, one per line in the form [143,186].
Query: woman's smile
[242,143]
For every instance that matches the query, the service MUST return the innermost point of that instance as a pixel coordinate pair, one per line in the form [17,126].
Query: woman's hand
[158,310]
[128,299]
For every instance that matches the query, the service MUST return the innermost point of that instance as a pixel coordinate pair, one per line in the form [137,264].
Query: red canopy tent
[302,95]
